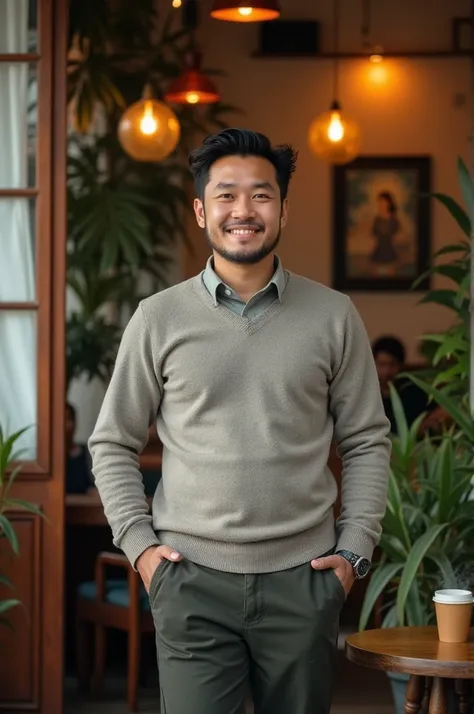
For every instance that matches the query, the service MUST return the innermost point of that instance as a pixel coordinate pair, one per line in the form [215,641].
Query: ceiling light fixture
[192,86]
[246,10]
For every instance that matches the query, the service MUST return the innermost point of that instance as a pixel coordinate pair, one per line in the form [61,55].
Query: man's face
[387,368]
[242,212]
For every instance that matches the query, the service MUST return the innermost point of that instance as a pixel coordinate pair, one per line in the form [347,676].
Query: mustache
[244,224]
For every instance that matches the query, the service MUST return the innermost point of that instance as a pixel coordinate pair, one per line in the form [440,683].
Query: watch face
[363,567]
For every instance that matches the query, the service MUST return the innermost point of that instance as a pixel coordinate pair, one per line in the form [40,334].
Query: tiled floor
[357,691]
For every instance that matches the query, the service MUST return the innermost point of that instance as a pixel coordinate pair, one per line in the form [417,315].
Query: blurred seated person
[389,355]
[78,466]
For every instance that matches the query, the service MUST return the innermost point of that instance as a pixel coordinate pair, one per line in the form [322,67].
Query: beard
[244,256]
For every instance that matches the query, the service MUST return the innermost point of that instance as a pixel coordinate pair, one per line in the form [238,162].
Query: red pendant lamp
[245,10]
[192,87]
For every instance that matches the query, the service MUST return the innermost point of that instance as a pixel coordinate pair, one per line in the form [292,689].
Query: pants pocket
[338,585]
[155,578]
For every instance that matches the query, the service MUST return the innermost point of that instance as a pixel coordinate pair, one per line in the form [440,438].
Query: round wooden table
[418,652]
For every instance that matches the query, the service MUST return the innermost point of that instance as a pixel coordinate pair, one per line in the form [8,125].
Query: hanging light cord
[366,15]
[336,49]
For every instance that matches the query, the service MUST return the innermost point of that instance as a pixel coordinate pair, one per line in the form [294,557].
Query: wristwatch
[360,565]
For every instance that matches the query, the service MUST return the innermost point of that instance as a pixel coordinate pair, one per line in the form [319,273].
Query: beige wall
[421,108]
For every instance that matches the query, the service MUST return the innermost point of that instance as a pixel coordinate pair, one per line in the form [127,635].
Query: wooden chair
[119,604]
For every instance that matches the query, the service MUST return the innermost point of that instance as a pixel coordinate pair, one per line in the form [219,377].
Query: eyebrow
[260,184]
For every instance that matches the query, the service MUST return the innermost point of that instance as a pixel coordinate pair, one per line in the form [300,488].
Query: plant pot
[399,683]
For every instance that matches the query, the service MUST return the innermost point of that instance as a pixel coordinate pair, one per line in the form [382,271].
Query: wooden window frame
[42,192]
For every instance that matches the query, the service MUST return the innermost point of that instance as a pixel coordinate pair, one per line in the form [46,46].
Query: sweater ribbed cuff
[137,539]
[357,541]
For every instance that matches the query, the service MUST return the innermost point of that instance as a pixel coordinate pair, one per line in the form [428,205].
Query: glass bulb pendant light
[246,10]
[334,137]
[149,130]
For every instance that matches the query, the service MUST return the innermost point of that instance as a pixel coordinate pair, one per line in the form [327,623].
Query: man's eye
[225,195]
[261,196]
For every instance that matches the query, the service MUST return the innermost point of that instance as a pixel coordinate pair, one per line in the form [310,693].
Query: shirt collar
[213,282]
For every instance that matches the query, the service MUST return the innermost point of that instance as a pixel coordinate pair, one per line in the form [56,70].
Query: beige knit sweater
[246,411]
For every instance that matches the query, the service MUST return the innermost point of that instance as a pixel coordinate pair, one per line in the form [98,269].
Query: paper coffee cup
[453,614]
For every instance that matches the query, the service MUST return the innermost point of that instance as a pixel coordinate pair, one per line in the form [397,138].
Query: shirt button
[228,292]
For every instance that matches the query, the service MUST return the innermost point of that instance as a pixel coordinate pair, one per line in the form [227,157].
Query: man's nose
[243,208]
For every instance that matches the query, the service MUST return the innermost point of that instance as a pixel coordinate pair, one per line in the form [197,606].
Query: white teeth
[241,232]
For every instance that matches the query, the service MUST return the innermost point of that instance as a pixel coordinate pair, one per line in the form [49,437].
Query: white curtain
[18,383]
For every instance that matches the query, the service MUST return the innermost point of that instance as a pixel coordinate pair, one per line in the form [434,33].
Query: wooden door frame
[43,482]
[52,675]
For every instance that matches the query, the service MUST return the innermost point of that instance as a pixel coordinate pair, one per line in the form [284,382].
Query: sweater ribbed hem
[137,539]
[264,556]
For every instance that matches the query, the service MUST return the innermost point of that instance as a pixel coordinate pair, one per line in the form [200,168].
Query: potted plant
[9,538]
[428,529]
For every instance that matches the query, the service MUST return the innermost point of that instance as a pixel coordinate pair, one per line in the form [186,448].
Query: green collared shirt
[223,294]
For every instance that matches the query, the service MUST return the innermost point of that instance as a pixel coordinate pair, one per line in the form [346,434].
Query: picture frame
[462,35]
[382,223]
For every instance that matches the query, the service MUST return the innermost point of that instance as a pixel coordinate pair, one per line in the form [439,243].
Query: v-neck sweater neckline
[245,324]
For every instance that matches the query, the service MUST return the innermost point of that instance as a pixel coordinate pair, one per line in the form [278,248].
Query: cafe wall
[406,107]
[414,106]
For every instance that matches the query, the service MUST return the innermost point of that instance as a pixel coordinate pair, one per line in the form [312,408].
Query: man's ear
[284,213]
[199,213]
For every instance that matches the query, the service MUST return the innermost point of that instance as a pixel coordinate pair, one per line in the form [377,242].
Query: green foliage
[91,347]
[428,529]
[450,350]
[124,216]
[8,536]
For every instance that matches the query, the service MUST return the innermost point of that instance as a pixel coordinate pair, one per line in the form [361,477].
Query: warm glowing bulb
[148,123]
[334,137]
[335,128]
[376,59]
[176,3]
[149,129]
[192,97]
[378,74]
[245,11]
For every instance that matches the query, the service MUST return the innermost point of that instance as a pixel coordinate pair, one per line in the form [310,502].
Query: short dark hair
[241,142]
[391,346]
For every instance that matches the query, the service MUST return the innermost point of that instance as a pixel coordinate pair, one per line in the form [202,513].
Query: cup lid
[453,596]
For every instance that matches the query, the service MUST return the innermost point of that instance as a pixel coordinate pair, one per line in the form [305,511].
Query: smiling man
[249,371]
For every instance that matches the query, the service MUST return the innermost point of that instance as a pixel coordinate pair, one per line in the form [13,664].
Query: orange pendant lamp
[193,87]
[246,10]
[149,130]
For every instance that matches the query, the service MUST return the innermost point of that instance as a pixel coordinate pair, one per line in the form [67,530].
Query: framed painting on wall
[382,223]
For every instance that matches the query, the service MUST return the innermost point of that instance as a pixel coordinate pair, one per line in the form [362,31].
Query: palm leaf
[377,584]
[7,531]
[417,553]
[467,186]
[458,213]
[446,569]
[462,419]
[6,605]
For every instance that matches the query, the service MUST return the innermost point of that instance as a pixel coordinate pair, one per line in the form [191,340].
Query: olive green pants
[218,632]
